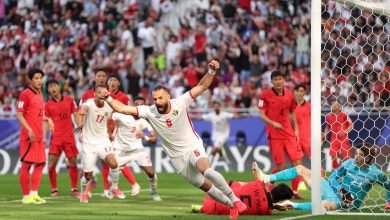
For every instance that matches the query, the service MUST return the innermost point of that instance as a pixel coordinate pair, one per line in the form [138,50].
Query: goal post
[350,63]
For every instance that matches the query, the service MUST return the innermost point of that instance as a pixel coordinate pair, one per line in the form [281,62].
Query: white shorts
[185,165]
[220,142]
[91,152]
[140,156]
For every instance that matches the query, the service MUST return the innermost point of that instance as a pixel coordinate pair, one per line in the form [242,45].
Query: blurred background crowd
[169,42]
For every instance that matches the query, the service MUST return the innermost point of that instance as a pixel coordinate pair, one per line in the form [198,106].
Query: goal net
[355,69]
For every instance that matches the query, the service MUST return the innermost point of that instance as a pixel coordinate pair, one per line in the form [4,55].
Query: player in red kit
[32,148]
[277,107]
[339,124]
[303,114]
[60,109]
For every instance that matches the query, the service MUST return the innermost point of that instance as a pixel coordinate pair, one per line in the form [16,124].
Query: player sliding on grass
[346,187]
[170,119]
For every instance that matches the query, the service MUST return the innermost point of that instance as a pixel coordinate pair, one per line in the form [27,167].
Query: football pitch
[176,193]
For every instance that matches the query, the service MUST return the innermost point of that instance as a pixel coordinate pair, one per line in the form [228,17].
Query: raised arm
[206,81]
[120,107]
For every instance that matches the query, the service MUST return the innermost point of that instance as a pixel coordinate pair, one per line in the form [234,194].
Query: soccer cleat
[283,205]
[155,197]
[302,186]
[54,192]
[75,193]
[234,213]
[297,196]
[83,198]
[258,174]
[135,189]
[117,193]
[196,208]
[240,206]
[30,200]
[38,199]
[107,195]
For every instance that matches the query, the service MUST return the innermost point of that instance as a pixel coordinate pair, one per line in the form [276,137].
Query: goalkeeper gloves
[346,197]
[387,206]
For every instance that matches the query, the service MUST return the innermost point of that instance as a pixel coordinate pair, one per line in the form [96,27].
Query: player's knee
[88,176]
[72,162]
[113,164]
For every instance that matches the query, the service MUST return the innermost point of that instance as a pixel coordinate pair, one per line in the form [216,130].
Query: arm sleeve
[147,126]
[384,181]
[337,174]
[206,117]
[293,104]
[46,111]
[22,102]
[186,99]
[73,107]
[143,111]
[229,115]
[262,105]
[114,116]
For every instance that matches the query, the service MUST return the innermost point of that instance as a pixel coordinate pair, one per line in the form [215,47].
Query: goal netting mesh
[355,71]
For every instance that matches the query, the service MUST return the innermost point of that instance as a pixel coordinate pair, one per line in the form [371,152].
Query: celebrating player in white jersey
[128,144]
[95,140]
[173,126]
[220,125]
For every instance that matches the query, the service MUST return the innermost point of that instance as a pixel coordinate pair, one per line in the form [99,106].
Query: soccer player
[339,124]
[32,148]
[277,107]
[303,114]
[95,140]
[346,187]
[60,109]
[257,198]
[128,144]
[172,124]
[220,123]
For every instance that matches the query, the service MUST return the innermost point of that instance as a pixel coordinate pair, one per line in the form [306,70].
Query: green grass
[177,195]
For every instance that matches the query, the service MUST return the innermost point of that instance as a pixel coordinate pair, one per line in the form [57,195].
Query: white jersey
[220,124]
[95,125]
[128,127]
[175,130]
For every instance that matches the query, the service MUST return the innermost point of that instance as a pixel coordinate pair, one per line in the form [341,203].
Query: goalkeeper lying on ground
[346,187]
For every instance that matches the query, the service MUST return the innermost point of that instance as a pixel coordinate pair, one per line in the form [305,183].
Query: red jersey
[253,194]
[120,96]
[89,94]
[303,114]
[338,123]
[61,114]
[277,108]
[31,104]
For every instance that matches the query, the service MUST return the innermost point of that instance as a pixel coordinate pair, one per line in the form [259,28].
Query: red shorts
[288,145]
[340,147]
[305,147]
[32,152]
[66,145]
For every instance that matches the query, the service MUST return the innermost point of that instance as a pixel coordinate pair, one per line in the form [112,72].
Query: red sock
[105,173]
[37,176]
[129,175]
[295,182]
[24,178]
[73,173]
[335,164]
[53,177]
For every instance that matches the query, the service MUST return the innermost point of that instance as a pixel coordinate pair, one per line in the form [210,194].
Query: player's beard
[162,109]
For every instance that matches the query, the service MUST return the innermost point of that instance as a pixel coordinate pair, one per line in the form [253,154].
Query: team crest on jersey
[175,112]
[20,104]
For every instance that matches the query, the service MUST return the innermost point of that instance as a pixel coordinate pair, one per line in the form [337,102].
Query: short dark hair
[139,98]
[276,73]
[32,72]
[160,87]
[101,69]
[114,76]
[281,192]
[49,82]
[217,102]
[368,149]
[100,86]
[297,87]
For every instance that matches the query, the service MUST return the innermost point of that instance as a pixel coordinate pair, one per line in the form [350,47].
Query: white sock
[26,196]
[84,184]
[219,182]
[114,176]
[33,193]
[218,196]
[153,184]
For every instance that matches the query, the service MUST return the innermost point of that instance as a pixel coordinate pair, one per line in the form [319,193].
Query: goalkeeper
[346,187]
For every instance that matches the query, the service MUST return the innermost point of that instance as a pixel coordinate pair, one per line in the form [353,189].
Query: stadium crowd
[152,42]
[168,42]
